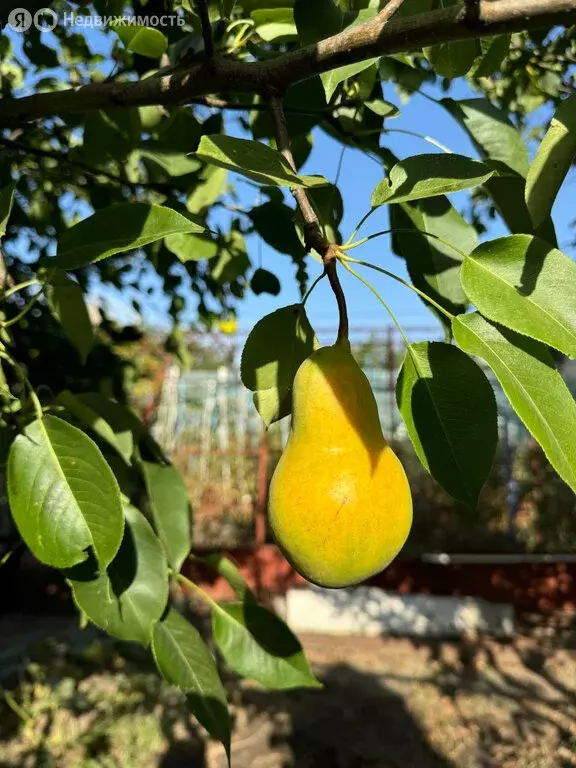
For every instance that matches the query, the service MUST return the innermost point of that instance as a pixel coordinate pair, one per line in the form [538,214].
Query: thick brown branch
[375,38]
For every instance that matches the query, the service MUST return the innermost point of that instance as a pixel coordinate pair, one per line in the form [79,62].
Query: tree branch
[377,37]
[313,234]
[202,8]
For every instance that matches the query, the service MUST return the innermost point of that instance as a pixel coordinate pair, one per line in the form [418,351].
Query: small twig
[313,234]
[261,106]
[202,8]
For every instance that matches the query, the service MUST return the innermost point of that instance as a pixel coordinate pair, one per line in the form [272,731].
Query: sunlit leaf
[529,378]
[63,495]
[525,284]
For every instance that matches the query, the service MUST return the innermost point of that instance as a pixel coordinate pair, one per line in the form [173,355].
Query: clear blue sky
[359,176]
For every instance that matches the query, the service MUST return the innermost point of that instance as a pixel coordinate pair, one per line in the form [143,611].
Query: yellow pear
[340,506]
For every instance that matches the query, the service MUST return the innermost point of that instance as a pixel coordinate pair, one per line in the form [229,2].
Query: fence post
[261,491]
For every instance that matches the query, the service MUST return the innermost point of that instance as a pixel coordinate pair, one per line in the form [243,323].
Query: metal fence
[208,424]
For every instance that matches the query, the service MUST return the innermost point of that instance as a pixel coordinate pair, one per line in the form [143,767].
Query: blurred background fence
[206,421]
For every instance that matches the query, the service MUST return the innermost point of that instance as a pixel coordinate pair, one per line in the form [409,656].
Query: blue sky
[358,177]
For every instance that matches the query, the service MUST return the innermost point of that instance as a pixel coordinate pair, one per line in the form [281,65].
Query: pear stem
[334,280]
[314,237]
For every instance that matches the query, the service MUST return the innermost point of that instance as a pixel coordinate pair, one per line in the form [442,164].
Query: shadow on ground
[386,703]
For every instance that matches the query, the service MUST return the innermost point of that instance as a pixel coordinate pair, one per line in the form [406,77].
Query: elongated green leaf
[493,51]
[274,222]
[94,421]
[66,302]
[259,646]
[274,349]
[170,510]
[118,228]
[332,79]
[254,160]
[429,175]
[131,594]
[523,283]
[318,20]
[6,201]
[449,409]
[274,24]
[492,132]
[433,265]
[143,40]
[528,376]
[191,247]
[204,195]
[173,163]
[552,162]
[496,139]
[183,659]
[126,426]
[63,495]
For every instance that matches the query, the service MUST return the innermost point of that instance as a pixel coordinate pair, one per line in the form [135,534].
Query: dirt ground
[386,703]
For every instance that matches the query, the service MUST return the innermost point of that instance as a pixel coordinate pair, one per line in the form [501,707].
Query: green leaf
[491,131]
[63,495]
[131,594]
[205,194]
[552,162]
[382,108]
[6,201]
[499,141]
[274,24]
[184,661]
[94,421]
[191,247]
[529,378]
[318,20]
[172,162]
[328,204]
[332,79]
[524,283]
[429,175]
[449,409]
[452,59]
[256,644]
[233,261]
[254,160]
[494,51]
[66,303]
[170,510]
[274,222]
[273,352]
[126,425]
[433,266]
[143,40]
[118,228]
[263,281]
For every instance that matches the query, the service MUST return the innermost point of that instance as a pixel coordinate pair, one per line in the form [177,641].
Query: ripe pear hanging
[340,505]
